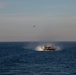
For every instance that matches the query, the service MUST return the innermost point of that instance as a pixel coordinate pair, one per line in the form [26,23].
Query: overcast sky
[55,20]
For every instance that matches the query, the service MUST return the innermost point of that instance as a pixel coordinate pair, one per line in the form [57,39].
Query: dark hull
[49,49]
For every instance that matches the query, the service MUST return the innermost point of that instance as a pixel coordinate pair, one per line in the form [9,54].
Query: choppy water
[24,58]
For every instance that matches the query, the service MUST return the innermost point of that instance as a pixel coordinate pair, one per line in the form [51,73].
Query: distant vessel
[34,26]
[49,48]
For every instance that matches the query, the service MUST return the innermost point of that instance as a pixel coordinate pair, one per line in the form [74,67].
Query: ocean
[26,58]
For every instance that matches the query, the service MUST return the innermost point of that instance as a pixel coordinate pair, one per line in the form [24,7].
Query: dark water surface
[21,58]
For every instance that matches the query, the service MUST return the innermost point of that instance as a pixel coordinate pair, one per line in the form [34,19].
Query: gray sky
[55,20]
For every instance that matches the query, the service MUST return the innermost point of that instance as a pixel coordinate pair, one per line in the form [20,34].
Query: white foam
[39,48]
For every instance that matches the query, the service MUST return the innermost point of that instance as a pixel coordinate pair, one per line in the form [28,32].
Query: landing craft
[48,48]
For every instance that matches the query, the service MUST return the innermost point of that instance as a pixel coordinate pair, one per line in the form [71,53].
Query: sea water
[26,58]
